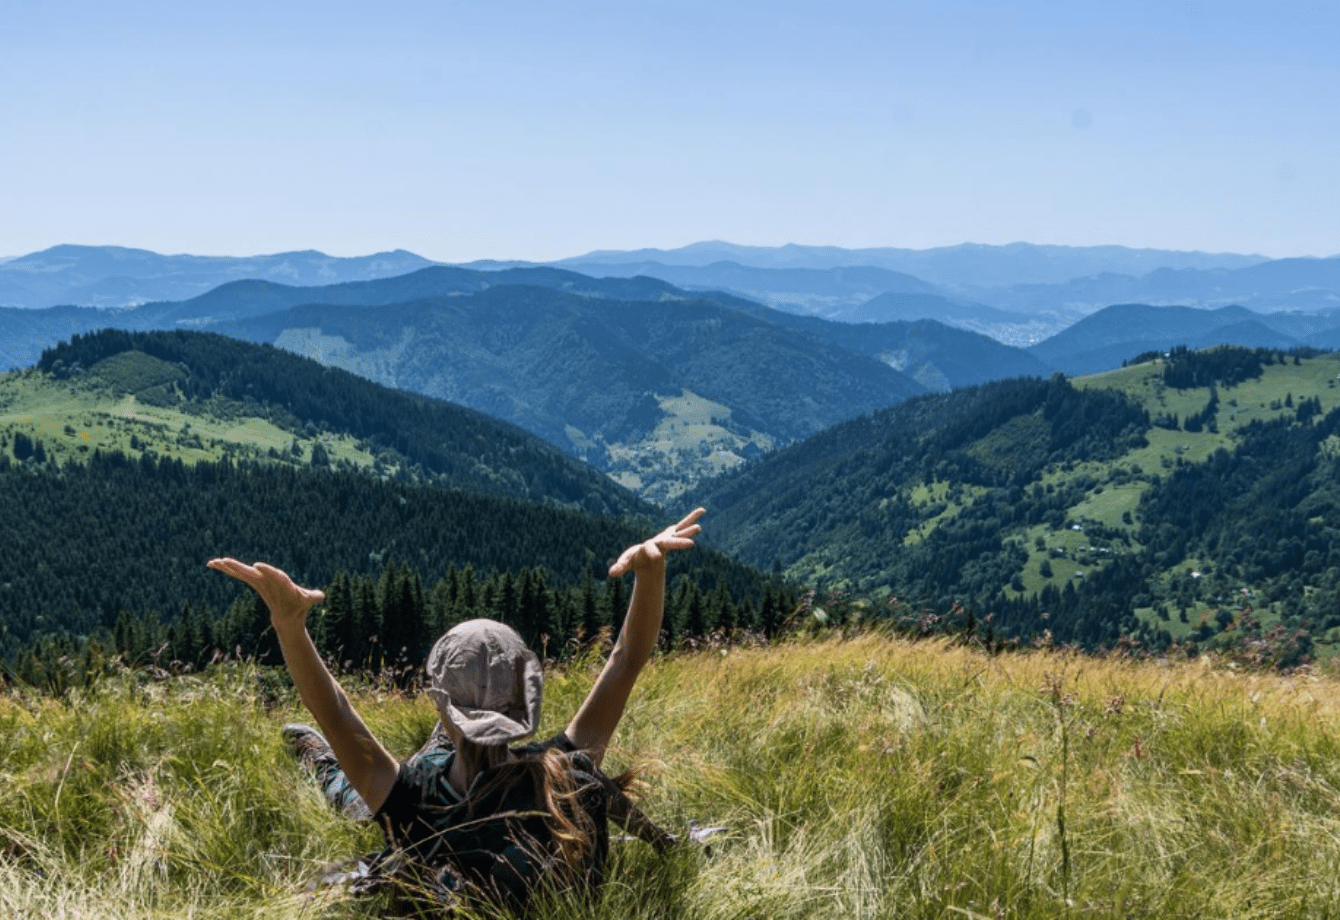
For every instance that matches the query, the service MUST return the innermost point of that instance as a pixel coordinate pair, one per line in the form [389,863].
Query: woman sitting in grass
[463,822]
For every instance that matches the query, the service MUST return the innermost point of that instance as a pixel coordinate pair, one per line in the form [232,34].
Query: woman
[487,689]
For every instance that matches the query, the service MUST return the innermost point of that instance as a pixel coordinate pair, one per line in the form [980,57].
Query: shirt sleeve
[420,790]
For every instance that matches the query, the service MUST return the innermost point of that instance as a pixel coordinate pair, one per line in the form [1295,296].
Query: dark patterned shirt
[496,840]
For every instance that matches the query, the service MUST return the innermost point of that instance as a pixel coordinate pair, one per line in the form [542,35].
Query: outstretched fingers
[688,525]
[680,536]
[673,538]
[280,593]
[239,570]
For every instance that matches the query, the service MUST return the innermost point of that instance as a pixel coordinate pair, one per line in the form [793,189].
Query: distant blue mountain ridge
[965,266]
[1280,303]
[113,276]
[1117,333]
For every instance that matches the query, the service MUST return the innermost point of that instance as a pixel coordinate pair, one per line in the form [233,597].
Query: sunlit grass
[73,418]
[873,777]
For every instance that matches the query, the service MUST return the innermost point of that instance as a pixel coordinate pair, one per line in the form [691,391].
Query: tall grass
[871,777]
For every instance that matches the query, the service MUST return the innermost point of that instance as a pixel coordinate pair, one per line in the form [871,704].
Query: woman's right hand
[651,552]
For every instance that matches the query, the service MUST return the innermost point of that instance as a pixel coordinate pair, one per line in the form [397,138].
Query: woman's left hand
[288,601]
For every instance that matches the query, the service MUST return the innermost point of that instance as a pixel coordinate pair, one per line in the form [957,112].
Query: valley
[899,462]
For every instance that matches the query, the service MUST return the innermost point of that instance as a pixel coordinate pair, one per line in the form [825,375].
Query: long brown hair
[572,829]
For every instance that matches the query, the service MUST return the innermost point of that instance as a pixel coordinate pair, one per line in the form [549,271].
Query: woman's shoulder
[422,783]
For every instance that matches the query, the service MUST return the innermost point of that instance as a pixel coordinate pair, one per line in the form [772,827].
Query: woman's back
[502,840]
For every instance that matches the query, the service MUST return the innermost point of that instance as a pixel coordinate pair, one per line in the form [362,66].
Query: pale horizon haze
[539,131]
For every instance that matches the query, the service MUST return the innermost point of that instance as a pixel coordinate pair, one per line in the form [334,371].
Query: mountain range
[115,276]
[1104,340]
[656,385]
[1019,294]
[964,267]
[1280,285]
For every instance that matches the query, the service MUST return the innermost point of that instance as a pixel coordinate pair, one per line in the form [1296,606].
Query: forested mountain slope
[129,459]
[550,360]
[657,391]
[937,356]
[25,333]
[115,550]
[201,396]
[1185,499]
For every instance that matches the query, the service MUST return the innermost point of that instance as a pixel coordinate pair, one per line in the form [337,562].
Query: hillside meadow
[863,777]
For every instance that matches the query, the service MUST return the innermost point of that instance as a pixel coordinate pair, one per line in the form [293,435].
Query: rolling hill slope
[200,396]
[1154,503]
[1102,341]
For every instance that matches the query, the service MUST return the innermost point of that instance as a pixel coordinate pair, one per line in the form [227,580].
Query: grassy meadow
[868,777]
[74,418]
[695,438]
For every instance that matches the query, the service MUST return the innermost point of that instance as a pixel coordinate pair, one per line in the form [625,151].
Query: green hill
[604,377]
[199,396]
[1183,500]
[128,459]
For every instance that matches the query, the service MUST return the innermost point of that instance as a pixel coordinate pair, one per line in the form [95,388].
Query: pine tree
[333,631]
[588,624]
[614,605]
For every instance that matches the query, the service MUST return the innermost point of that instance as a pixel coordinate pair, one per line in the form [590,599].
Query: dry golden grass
[868,777]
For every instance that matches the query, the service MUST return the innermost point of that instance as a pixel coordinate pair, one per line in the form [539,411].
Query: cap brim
[482,726]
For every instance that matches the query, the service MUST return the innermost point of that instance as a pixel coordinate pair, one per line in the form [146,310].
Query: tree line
[113,553]
[383,625]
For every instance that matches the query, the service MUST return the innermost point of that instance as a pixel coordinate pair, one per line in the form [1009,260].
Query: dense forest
[982,509]
[846,487]
[1259,525]
[113,552]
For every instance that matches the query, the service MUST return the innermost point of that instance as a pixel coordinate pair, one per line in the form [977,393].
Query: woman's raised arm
[370,768]
[594,724]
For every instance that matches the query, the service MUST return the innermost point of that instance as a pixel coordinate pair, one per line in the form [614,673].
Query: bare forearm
[370,769]
[646,609]
[366,763]
[317,687]
[594,723]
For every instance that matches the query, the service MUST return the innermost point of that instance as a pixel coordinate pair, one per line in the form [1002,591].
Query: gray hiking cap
[486,682]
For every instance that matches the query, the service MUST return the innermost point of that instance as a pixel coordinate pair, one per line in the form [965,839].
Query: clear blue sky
[539,130]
